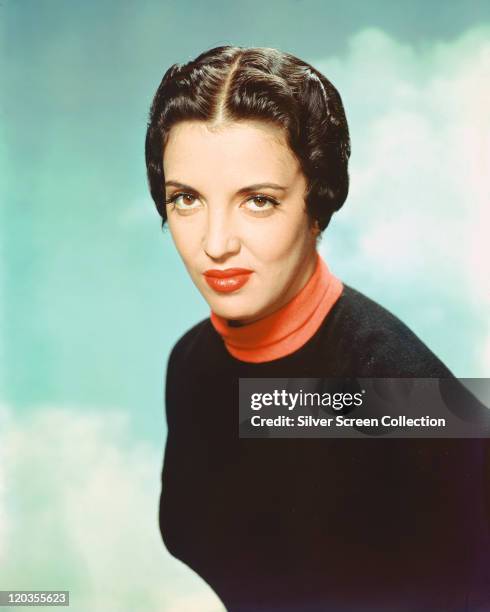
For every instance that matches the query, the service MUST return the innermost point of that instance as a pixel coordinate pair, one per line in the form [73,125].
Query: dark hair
[235,83]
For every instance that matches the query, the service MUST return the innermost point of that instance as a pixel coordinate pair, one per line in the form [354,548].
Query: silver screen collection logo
[359,407]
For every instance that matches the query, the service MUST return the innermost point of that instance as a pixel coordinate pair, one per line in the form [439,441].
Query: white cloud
[79,511]
[418,215]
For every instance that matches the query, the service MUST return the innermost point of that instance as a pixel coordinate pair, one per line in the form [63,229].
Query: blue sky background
[93,294]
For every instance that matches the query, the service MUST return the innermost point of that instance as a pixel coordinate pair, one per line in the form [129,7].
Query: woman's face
[236,212]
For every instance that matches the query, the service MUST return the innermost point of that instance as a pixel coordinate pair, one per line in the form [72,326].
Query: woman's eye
[260,203]
[184,201]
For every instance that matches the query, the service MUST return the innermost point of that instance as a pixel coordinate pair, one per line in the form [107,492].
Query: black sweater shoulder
[192,341]
[196,350]
[380,344]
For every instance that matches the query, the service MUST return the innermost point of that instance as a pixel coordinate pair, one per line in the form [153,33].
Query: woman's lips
[226,281]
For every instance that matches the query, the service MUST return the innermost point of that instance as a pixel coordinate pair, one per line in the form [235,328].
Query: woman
[247,152]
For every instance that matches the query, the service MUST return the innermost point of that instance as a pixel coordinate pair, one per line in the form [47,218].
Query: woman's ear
[315,228]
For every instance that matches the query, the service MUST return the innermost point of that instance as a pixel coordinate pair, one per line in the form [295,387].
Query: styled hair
[231,83]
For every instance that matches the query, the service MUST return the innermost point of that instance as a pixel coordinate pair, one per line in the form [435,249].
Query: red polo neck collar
[287,329]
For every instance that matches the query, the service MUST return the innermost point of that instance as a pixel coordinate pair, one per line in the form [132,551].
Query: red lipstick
[226,281]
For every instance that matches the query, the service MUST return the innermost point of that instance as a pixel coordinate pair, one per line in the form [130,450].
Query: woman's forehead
[251,150]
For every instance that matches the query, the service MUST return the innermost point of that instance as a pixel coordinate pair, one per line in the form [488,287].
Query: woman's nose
[220,239]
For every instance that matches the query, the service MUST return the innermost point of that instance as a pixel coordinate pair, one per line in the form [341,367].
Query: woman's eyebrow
[254,187]
[258,186]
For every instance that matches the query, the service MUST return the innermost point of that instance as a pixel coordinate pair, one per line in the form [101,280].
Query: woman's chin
[234,312]
[238,316]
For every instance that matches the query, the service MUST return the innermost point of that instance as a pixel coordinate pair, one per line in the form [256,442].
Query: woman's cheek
[186,239]
[271,241]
